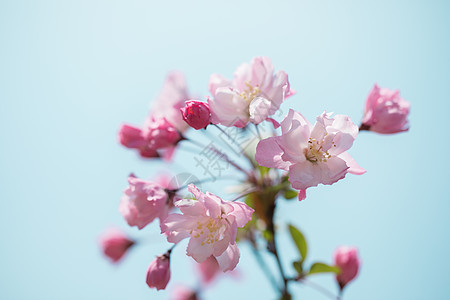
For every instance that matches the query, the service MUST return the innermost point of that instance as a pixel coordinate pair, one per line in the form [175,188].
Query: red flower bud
[196,114]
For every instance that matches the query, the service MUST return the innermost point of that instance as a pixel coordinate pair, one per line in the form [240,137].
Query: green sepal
[290,194]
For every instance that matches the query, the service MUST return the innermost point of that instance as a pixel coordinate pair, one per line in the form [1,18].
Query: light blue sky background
[72,71]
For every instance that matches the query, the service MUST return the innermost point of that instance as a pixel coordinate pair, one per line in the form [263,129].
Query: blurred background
[72,71]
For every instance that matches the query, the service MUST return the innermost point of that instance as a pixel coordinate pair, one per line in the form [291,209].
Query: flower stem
[320,289]
[257,131]
[364,127]
[247,192]
[262,264]
[273,249]
[202,181]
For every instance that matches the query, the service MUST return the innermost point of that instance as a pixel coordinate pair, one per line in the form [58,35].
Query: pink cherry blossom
[208,269]
[211,224]
[253,95]
[171,99]
[115,244]
[311,154]
[143,201]
[158,273]
[346,258]
[386,112]
[196,114]
[157,135]
[132,137]
[163,127]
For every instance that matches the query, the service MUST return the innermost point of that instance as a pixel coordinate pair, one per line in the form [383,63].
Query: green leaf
[290,194]
[319,267]
[298,266]
[299,241]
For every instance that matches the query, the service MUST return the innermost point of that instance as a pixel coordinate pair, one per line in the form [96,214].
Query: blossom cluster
[298,155]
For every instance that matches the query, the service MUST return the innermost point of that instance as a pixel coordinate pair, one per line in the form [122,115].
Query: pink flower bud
[115,244]
[196,114]
[184,293]
[386,112]
[158,273]
[346,258]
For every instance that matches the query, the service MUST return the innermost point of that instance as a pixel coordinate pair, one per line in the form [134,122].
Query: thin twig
[280,267]
[320,288]
[262,264]
[204,180]
[228,136]
[194,142]
[257,131]
[247,192]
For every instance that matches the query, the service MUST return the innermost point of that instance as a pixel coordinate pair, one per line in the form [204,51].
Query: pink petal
[208,269]
[268,154]
[278,90]
[304,175]
[274,122]
[228,108]
[217,81]
[242,212]
[199,250]
[195,191]
[345,133]
[259,109]
[307,174]
[301,195]
[354,168]
[191,207]
[229,258]
[294,143]
[334,170]
[167,153]
[262,72]
[131,136]
[171,98]
[176,226]
[288,121]
[212,204]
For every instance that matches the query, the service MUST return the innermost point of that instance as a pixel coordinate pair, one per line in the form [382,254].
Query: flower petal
[353,167]
[229,258]
[268,154]
[304,175]
[228,108]
[259,109]
[175,227]
[191,207]
[217,81]
[242,212]
[199,250]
